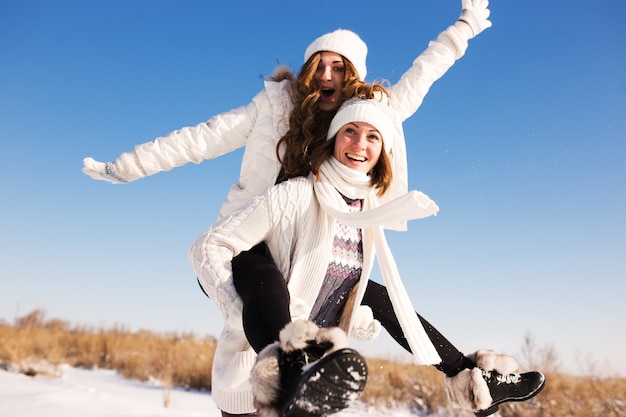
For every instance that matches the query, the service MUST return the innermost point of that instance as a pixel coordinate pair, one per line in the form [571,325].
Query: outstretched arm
[217,136]
[409,92]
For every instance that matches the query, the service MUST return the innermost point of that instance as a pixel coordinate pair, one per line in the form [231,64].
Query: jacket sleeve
[409,92]
[217,136]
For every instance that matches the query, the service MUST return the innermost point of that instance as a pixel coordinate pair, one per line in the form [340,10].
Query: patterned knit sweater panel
[343,273]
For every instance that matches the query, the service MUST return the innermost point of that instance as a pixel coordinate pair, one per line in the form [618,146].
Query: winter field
[48,368]
[104,393]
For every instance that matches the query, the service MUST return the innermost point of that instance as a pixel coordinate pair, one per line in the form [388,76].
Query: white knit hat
[343,42]
[374,111]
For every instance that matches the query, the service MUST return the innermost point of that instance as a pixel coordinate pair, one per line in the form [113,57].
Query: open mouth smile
[356,158]
[327,92]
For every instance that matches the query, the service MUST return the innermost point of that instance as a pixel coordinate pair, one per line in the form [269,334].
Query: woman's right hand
[475,14]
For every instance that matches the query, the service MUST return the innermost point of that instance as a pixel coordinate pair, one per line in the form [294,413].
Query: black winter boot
[493,381]
[327,386]
[309,372]
[510,387]
[292,363]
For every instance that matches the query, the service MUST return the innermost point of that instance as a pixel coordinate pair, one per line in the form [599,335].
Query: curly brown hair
[308,125]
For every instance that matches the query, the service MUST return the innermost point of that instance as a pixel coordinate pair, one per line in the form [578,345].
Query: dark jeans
[265,298]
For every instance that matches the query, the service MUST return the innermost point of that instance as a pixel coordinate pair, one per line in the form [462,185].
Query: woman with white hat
[323,230]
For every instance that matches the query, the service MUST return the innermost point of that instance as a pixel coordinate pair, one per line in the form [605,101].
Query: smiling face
[329,74]
[358,146]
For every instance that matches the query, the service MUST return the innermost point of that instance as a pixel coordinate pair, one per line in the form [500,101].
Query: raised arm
[409,92]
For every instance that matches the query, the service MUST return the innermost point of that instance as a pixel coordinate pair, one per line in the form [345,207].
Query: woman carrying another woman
[323,230]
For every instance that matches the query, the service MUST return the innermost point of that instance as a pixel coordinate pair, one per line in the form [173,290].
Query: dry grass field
[35,345]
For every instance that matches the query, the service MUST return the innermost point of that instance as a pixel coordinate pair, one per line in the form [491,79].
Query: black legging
[264,294]
[377,298]
[265,298]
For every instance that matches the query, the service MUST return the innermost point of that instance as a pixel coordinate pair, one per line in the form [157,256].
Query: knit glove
[103,171]
[126,168]
[365,327]
[476,14]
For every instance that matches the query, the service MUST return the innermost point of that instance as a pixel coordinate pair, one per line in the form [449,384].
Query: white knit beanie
[343,42]
[374,111]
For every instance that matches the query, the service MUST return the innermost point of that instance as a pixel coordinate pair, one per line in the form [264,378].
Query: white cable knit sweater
[299,235]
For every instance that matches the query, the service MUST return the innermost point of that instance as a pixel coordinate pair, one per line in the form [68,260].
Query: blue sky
[521,144]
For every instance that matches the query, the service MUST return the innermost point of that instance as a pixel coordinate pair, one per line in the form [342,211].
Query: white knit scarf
[334,176]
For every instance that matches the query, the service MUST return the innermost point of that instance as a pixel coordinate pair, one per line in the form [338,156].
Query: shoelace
[503,379]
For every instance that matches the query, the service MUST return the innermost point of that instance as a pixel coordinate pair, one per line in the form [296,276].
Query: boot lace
[502,379]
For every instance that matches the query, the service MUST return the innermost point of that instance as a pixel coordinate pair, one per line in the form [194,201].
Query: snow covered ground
[104,393]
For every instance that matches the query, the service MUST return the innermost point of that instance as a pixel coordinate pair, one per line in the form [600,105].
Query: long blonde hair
[308,125]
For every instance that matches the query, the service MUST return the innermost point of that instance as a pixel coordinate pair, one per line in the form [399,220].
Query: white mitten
[365,327]
[125,169]
[103,171]
[476,14]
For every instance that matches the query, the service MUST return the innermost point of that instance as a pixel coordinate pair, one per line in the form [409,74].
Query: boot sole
[328,385]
